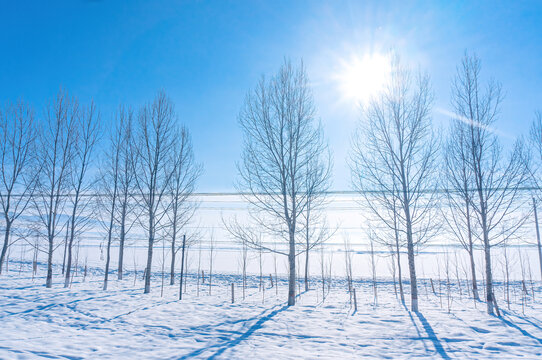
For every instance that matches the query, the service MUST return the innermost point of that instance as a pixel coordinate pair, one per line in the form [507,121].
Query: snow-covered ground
[123,323]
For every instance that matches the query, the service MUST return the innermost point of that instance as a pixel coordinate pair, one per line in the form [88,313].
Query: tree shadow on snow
[429,331]
[234,342]
[524,332]
[432,336]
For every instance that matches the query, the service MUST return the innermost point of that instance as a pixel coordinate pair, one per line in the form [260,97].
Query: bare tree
[459,183]
[211,260]
[374,263]
[282,143]
[243,261]
[87,129]
[110,182]
[126,209]
[393,160]
[497,180]
[153,168]
[348,265]
[56,152]
[17,167]
[182,184]
[536,143]
[316,231]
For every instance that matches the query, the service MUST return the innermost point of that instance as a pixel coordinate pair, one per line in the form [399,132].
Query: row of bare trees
[51,170]
[396,166]
[147,172]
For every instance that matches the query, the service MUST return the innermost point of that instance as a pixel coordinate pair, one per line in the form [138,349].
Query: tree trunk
[70,247]
[537,237]
[473,270]
[107,260]
[173,238]
[291,263]
[400,273]
[307,269]
[109,236]
[471,250]
[122,239]
[69,264]
[307,251]
[410,250]
[412,270]
[149,255]
[49,280]
[6,244]
[489,276]
[65,249]
[182,269]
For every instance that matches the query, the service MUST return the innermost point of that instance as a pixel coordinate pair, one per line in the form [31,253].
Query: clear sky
[207,54]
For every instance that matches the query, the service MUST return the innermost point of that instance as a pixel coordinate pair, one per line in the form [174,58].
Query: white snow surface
[85,322]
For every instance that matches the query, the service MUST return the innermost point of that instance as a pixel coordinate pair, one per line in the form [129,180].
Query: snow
[122,323]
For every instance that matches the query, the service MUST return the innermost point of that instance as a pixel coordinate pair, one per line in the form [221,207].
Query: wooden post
[232,294]
[271,278]
[202,277]
[433,286]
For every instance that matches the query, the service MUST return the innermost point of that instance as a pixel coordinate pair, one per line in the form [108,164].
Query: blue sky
[207,54]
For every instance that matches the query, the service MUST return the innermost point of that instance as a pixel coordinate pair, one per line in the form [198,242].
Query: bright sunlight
[362,77]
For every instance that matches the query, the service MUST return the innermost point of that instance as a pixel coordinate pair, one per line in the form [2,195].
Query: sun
[361,77]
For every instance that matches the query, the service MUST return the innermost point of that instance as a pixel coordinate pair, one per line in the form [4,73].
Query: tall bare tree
[459,184]
[17,167]
[393,161]
[496,199]
[56,152]
[536,143]
[315,233]
[87,128]
[154,143]
[185,173]
[126,206]
[282,143]
[110,182]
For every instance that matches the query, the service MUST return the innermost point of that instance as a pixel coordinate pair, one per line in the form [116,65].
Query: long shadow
[522,318]
[234,342]
[524,332]
[415,325]
[432,336]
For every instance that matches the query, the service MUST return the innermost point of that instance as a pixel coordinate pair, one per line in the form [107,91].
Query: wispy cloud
[468,121]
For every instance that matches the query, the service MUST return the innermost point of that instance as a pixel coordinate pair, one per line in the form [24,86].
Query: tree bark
[70,247]
[149,255]
[307,268]
[182,269]
[410,246]
[107,260]
[173,238]
[489,276]
[122,240]
[109,236]
[537,236]
[400,272]
[291,263]
[6,244]
[471,252]
[49,280]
